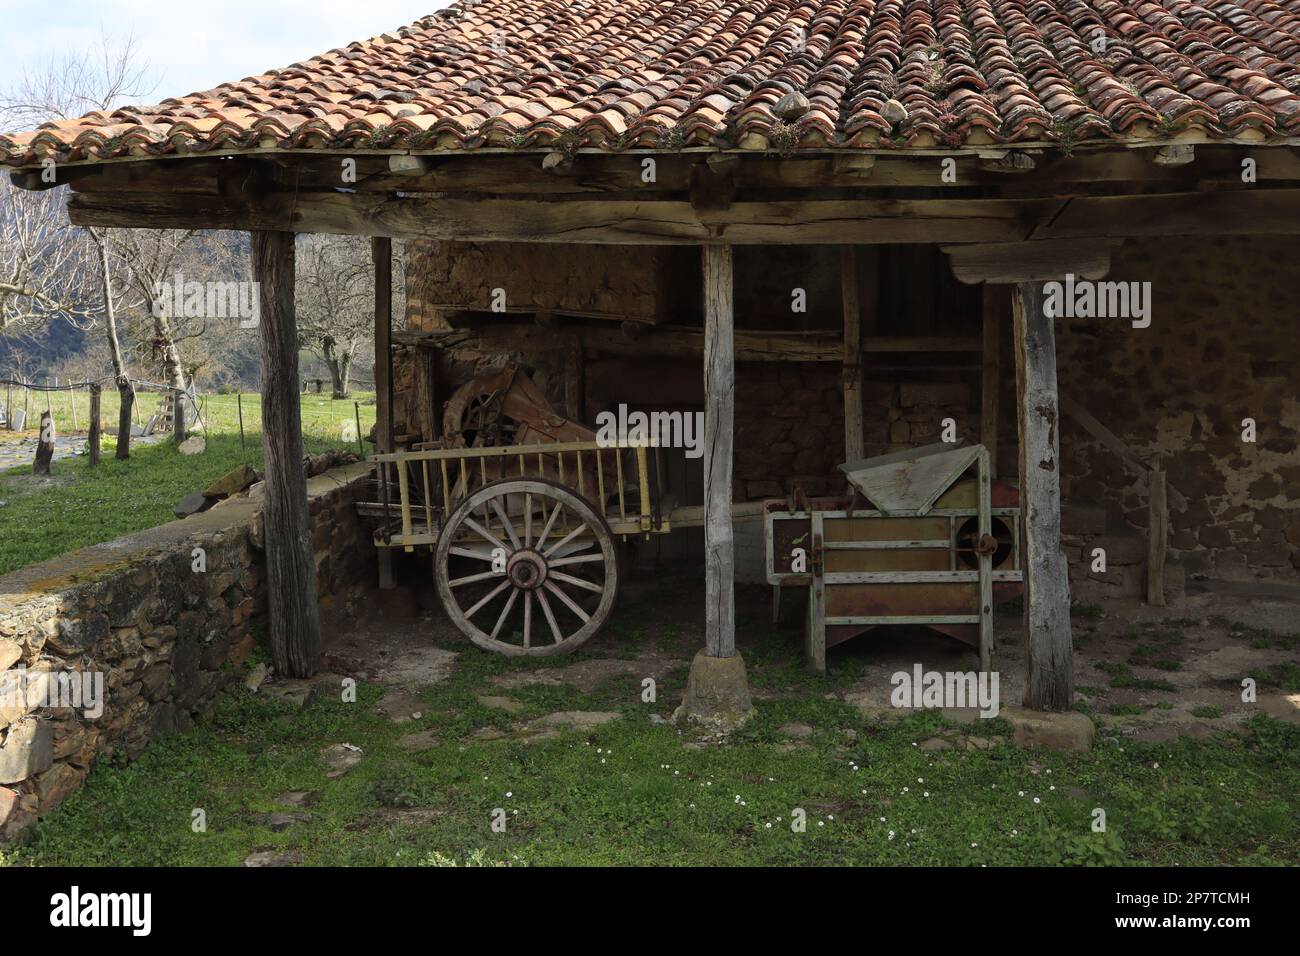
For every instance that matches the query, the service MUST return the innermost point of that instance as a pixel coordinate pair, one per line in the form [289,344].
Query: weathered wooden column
[717,690]
[381,252]
[1048,643]
[286,527]
[45,445]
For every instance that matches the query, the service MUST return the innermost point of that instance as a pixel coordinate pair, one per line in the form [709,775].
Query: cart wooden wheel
[526,567]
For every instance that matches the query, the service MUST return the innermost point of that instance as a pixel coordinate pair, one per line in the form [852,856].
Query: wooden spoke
[528,519]
[471,578]
[550,616]
[470,553]
[541,540]
[528,618]
[505,612]
[565,540]
[568,601]
[488,597]
[576,582]
[575,559]
[506,522]
[484,532]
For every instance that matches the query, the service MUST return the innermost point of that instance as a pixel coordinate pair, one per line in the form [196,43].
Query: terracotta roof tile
[658,74]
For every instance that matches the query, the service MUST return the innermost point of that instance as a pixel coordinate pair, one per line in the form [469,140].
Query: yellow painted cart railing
[621,482]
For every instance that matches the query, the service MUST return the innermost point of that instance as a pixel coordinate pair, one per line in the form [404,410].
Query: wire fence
[85,405]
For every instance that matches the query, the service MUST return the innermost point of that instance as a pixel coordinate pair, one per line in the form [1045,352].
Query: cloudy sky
[192,45]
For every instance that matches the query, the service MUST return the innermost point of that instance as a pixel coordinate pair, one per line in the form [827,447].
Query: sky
[189,46]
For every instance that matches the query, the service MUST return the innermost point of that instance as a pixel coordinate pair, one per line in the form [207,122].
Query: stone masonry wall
[163,636]
[1223,345]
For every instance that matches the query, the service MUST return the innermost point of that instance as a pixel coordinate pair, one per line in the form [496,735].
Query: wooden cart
[524,536]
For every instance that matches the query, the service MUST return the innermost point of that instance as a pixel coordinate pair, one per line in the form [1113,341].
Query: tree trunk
[290,569]
[173,371]
[125,389]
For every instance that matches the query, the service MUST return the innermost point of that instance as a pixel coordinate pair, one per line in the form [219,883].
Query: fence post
[44,450]
[94,425]
[178,416]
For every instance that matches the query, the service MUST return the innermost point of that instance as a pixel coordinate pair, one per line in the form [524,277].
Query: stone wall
[163,637]
[1223,345]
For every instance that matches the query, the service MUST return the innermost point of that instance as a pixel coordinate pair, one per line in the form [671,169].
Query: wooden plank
[1235,212]
[294,619]
[852,308]
[719,398]
[668,222]
[910,481]
[996,303]
[1157,537]
[499,172]
[423,409]
[1006,262]
[815,626]
[1048,642]
[381,251]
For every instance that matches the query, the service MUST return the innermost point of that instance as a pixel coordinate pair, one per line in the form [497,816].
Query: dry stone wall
[134,638]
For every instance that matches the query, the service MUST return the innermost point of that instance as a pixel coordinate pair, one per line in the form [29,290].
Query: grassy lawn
[637,792]
[78,506]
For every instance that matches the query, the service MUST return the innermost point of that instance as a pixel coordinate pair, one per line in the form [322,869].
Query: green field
[78,505]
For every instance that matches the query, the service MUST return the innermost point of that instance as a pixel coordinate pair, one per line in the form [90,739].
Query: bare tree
[335,302]
[71,85]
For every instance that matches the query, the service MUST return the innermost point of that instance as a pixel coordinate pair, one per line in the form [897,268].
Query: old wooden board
[910,481]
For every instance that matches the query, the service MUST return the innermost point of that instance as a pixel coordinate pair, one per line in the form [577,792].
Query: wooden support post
[381,250]
[995,306]
[290,569]
[178,416]
[719,398]
[985,479]
[852,308]
[1048,644]
[94,437]
[1158,537]
[45,445]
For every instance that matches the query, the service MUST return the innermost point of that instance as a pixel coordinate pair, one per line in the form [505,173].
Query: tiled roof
[619,74]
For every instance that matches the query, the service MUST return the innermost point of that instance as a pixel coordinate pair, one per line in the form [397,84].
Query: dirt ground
[1140,672]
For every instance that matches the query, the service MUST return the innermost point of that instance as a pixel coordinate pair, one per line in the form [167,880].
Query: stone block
[717,693]
[1056,731]
[28,749]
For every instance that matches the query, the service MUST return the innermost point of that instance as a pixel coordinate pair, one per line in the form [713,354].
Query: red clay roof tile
[616,74]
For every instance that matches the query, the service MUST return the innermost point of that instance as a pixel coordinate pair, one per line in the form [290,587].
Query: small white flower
[927,793]
[891,834]
[1021,792]
[1036,800]
[821,823]
[882,819]
[768,825]
[905,790]
[974,845]
[510,793]
[920,780]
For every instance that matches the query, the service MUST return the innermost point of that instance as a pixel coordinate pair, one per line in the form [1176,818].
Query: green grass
[630,792]
[78,506]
